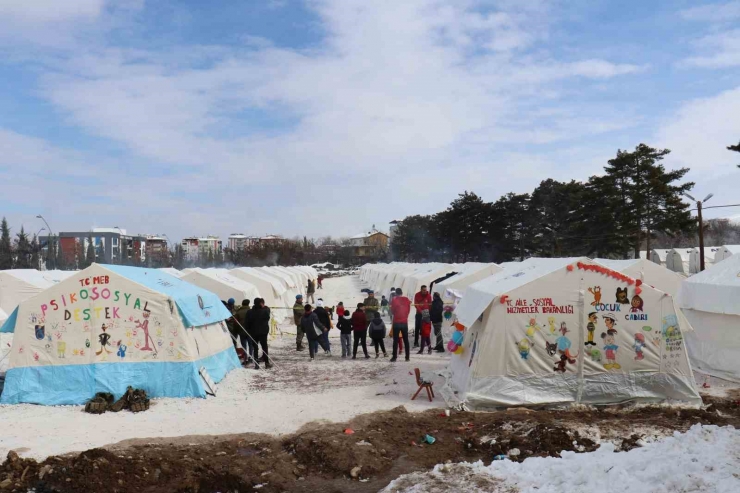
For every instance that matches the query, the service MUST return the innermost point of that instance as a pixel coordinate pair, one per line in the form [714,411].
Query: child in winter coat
[345,333]
[376,329]
[340,309]
[426,332]
[384,308]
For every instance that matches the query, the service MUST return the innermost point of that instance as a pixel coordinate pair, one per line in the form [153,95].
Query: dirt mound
[363,455]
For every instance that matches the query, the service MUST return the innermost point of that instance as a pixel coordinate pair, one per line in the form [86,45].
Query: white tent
[648,272]
[272,290]
[710,300]
[726,251]
[556,331]
[17,285]
[678,259]
[452,288]
[659,256]
[172,271]
[223,284]
[695,259]
[108,327]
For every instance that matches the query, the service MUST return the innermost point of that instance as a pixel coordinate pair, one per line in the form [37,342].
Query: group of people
[250,326]
[367,321]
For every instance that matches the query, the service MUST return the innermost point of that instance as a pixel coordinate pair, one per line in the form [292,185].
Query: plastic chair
[423,384]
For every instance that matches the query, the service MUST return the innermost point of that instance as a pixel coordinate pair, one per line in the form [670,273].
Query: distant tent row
[686,261]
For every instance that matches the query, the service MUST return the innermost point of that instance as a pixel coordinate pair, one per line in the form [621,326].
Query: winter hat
[299,296]
[231,301]
[320,303]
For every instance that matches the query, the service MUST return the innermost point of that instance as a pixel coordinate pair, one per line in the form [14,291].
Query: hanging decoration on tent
[458,326]
[459,350]
[448,309]
[457,337]
[451,346]
[604,271]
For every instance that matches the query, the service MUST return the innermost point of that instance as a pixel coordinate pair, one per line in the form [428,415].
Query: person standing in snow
[314,331]
[241,326]
[359,327]
[376,330]
[325,320]
[345,333]
[422,301]
[298,312]
[400,309]
[384,306]
[371,305]
[310,291]
[259,322]
[437,316]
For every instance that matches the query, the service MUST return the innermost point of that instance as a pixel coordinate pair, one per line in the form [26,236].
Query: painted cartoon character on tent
[622,296]
[121,350]
[596,291]
[609,339]
[637,304]
[145,327]
[595,354]
[104,339]
[524,347]
[40,332]
[560,366]
[564,344]
[551,324]
[593,319]
[639,345]
[531,329]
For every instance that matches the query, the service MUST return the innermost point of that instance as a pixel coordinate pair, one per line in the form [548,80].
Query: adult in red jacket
[400,308]
[422,301]
[359,330]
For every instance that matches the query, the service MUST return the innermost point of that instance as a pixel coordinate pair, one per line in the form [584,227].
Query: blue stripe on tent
[9,325]
[76,384]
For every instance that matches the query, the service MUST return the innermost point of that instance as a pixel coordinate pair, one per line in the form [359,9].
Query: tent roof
[479,295]
[715,290]
[684,253]
[662,253]
[41,279]
[172,271]
[278,287]
[186,295]
[469,270]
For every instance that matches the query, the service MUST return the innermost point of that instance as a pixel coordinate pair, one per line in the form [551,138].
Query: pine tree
[22,251]
[90,254]
[462,229]
[35,253]
[6,249]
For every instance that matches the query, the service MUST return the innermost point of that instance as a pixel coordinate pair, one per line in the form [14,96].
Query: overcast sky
[324,117]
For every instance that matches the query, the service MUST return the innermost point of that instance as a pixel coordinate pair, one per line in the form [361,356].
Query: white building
[195,247]
[240,241]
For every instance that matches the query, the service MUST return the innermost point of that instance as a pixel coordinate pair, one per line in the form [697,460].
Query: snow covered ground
[274,401]
[704,459]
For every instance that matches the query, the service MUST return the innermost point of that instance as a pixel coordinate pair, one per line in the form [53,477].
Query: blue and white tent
[108,327]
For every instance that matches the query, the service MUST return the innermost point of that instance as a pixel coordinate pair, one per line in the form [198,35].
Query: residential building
[368,246]
[240,241]
[112,245]
[156,249]
[272,239]
[194,247]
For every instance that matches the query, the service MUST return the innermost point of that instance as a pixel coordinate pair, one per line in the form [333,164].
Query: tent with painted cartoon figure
[108,327]
[559,331]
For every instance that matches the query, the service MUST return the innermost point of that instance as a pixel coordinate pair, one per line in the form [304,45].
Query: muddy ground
[363,455]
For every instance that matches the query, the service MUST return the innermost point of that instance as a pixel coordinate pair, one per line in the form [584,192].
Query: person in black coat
[314,330]
[436,314]
[259,326]
[325,320]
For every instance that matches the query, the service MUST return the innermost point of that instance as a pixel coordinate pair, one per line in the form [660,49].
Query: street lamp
[48,248]
[701,227]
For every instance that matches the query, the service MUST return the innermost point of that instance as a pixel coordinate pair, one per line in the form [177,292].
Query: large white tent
[678,260]
[108,327]
[557,331]
[710,300]
[659,255]
[695,258]
[17,285]
[726,251]
[452,288]
[172,271]
[221,283]
[272,290]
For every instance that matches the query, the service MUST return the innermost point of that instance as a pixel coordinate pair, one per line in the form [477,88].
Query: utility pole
[701,227]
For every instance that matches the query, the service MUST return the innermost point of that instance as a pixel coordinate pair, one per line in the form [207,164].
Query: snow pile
[705,458]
